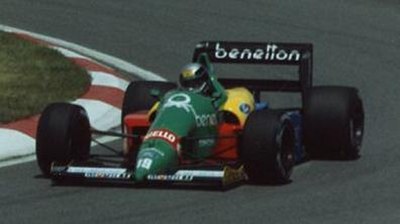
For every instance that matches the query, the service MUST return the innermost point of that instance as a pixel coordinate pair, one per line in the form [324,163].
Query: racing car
[176,137]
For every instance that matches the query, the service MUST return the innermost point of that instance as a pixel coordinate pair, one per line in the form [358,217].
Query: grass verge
[32,76]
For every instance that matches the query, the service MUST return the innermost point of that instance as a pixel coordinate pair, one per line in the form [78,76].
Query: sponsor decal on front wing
[162,177]
[186,175]
[227,176]
[104,173]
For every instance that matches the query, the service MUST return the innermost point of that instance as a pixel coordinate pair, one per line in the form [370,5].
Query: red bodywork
[225,149]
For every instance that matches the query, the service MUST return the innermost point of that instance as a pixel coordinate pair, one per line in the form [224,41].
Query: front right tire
[267,147]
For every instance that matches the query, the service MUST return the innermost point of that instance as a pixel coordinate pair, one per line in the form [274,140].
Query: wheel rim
[285,155]
[356,134]
[356,126]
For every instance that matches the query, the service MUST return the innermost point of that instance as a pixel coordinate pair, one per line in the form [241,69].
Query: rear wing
[261,53]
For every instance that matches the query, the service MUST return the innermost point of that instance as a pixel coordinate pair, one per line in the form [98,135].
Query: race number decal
[144,163]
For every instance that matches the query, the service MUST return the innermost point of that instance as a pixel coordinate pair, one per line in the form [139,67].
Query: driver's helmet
[194,77]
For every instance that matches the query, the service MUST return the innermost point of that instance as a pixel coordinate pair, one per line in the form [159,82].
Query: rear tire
[267,147]
[333,123]
[137,96]
[63,135]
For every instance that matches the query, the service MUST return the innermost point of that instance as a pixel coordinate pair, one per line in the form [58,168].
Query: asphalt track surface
[355,43]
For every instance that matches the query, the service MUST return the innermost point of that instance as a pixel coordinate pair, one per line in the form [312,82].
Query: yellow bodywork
[152,111]
[240,102]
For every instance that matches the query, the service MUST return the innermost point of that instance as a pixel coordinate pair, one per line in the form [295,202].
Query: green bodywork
[181,115]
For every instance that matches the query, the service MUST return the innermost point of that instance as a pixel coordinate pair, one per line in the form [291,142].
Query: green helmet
[194,77]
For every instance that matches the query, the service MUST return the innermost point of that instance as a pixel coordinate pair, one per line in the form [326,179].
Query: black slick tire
[267,147]
[333,123]
[63,135]
[138,97]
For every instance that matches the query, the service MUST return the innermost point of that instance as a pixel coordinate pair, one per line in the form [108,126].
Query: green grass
[32,76]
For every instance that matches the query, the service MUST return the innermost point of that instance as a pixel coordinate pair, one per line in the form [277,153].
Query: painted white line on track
[15,161]
[108,59]
[70,54]
[108,80]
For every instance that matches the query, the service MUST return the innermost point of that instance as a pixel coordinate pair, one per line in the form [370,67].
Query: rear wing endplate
[261,53]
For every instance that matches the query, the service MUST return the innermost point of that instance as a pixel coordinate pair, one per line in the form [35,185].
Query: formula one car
[174,136]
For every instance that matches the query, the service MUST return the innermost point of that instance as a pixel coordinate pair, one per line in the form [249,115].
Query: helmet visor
[195,81]
[192,84]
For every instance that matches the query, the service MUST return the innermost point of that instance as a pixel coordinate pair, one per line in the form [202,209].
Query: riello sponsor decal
[271,52]
[164,135]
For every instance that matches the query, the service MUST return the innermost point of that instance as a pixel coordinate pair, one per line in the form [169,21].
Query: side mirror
[216,95]
[155,93]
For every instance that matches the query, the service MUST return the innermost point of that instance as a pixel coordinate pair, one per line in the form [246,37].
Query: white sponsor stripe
[102,116]
[109,80]
[200,173]
[14,143]
[77,169]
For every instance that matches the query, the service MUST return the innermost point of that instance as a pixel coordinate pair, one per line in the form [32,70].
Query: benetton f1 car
[174,136]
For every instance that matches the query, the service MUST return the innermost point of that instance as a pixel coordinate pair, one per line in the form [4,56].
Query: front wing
[219,176]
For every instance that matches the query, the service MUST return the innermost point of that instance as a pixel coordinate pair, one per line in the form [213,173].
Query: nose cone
[155,157]
[141,173]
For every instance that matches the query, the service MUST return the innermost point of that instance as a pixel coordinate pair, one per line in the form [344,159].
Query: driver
[195,77]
